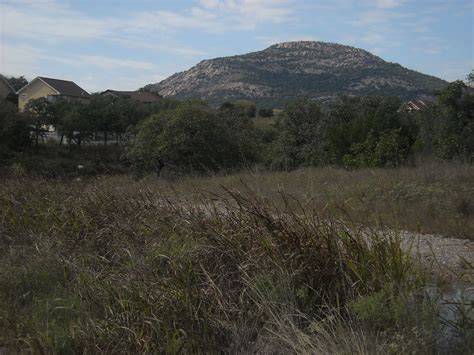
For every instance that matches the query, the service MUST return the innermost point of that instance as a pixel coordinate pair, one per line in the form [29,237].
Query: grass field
[252,262]
[431,198]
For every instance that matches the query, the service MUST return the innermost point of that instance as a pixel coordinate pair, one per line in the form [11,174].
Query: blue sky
[124,45]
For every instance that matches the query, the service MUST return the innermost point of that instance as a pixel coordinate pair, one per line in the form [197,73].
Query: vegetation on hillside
[285,72]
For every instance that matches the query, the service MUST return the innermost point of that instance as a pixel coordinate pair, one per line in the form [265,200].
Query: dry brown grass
[434,197]
[245,263]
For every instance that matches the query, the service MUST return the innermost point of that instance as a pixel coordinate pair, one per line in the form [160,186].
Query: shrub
[390,150]
[191,138]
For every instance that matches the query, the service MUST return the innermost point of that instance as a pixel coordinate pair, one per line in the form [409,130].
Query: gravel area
[454,258]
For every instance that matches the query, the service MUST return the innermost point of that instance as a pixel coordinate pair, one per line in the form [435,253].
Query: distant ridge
[289,70]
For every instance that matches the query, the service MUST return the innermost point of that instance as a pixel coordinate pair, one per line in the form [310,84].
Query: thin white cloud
[19,60]
[374,17]
[51,22]
[23,60]
[123,81]
[387,4]
[218,16]
[114,63]
[374,38]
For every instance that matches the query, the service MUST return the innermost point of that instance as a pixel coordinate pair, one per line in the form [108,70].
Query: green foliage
[192,138]
[72,121]
[17,82]
[14,131]
[299,140]
[52,160]
[446,129]
[186,137]
[265,112]
[407,314]
[368,132]
[245,108]
[470,79]
[356,132]
[390,150]
[40,115]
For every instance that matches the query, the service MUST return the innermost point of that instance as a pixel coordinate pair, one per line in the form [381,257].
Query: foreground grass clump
[114,266]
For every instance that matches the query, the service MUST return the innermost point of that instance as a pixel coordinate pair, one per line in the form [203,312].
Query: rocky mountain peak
[290,70]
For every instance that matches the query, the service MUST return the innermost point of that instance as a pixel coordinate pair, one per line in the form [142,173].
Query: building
[6,90]
[51,89]
[141,96]
[417,105]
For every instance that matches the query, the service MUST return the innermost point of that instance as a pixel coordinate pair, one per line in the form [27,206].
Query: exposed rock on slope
[290,70]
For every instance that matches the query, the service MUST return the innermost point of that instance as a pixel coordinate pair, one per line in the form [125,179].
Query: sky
[124,45]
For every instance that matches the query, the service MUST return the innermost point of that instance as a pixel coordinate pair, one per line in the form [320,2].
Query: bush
[299,140]
[14,132]
[447,128]
[390,150]
[191,138]
[265,112]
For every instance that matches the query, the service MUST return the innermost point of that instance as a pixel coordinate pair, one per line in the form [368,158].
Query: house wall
[4,89]
[35,90]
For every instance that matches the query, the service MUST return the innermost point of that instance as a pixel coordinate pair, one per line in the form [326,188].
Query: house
[51,89]
[6,90]
[416,105]
[141,96]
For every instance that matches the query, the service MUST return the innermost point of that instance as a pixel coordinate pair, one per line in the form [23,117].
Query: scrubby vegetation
[184,228]
[193,137]
[112,265]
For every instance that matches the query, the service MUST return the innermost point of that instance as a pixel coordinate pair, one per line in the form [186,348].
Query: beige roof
[63,87]
[7,84]
[142,96]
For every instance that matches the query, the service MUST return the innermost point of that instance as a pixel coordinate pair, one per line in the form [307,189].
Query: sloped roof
[142,96]
[416,105]
[65,87]
[7,83]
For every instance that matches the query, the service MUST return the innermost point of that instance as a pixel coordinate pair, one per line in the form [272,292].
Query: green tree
[248,108]
[17,82]
[72,120]
[448,127]
[390,149]
[470,79]
[368,132]
[40,115]
[114,114]
[299,135]
[190,138]
[238,119]
[14,130]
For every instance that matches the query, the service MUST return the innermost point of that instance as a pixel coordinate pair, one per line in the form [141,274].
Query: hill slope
[289,70]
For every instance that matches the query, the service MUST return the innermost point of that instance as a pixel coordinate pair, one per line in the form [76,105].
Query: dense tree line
[192,136]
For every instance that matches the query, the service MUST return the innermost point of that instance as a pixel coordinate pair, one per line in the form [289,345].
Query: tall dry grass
[111,265]
[433,197]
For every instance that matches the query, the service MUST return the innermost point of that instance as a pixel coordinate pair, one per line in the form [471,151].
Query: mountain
[290,70]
